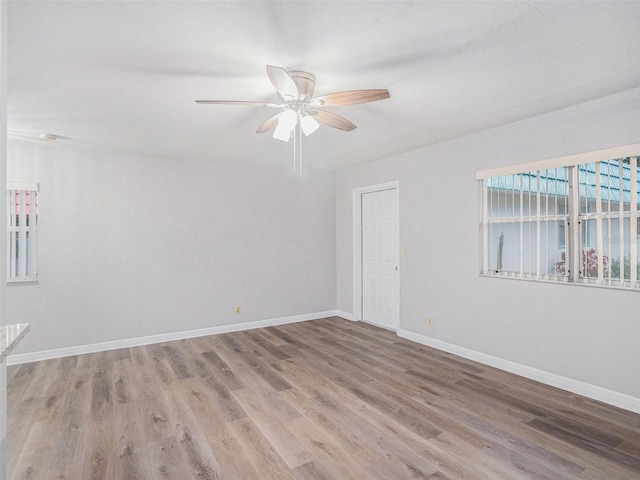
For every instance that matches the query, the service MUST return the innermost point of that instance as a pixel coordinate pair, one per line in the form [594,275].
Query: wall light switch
[405,251]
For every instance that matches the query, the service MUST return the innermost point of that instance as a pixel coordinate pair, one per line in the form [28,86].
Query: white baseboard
[163,337]
[592,391]
[345,315]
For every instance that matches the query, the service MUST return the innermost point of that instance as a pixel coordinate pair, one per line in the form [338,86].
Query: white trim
[483,202]
[357,244]
[633,221]
[568,160]
[163,337]
[611,397]
[345,315]
[17,280]
[572,231]
[23,186]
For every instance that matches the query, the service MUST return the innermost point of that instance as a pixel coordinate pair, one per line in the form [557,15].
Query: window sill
[21,281]
[563,282]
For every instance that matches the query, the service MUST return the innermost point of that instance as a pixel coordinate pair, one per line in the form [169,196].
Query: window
[22,222]
[577,223]
[526,217]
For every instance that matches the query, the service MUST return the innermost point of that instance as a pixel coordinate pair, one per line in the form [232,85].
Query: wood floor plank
[267,395]
[33,459]
[175,358]
[68,471]
[325,449]
[30,382]
[224,398]
[390,407]
[54,398]
[99,458]
[591,445]
[282,439]
[387,443]
[20,425]
[223,371]
[70,442]
[261,453]
[342,432]
[394,458]
[131,451]
[162,371]
[270,337]
[313,470]
[166,460]
[196,451]
[233,461]
[327,399]
[571,458]
[153,410]
[265,345]
[123,380]
[101,395]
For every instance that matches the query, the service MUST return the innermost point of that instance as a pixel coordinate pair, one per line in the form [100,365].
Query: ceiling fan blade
[282,82]
[268,124]
[238,102]
[331,120]
[350,98]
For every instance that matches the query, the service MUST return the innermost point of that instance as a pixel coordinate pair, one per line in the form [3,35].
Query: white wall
[135,246]
[123,252]
[585,334]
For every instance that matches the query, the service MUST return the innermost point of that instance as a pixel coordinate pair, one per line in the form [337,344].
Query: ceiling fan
[300,108]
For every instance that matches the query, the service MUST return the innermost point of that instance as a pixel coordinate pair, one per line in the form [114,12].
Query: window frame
[574,242]
[528,218]
[29,261]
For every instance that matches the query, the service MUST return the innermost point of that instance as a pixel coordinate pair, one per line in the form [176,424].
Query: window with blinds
[577,223]
[22,223]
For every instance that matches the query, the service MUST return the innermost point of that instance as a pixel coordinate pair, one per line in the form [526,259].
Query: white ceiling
[123,76]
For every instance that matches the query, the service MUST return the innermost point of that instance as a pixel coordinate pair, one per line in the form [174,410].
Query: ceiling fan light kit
[295,90]
[308,124]
[286,123]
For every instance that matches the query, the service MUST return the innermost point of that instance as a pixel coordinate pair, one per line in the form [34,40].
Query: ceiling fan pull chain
[300,148]
[294,150]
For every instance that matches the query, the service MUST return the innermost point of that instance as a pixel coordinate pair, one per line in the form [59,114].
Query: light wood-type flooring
[325,399]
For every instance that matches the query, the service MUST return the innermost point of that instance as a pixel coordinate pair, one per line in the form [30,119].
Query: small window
[22,223]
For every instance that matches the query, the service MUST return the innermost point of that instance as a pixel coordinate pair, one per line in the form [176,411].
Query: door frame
[357,244]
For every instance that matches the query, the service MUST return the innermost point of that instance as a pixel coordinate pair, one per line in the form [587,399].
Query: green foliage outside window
[615,269]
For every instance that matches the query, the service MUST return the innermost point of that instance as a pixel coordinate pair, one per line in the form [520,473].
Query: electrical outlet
[238,310]
[429,322]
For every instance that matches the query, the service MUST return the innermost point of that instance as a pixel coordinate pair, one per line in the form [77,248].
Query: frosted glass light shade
[282,133]
[288,119]
[308,124]
[286,123]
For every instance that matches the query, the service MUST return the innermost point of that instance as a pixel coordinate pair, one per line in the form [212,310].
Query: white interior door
[380,258]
